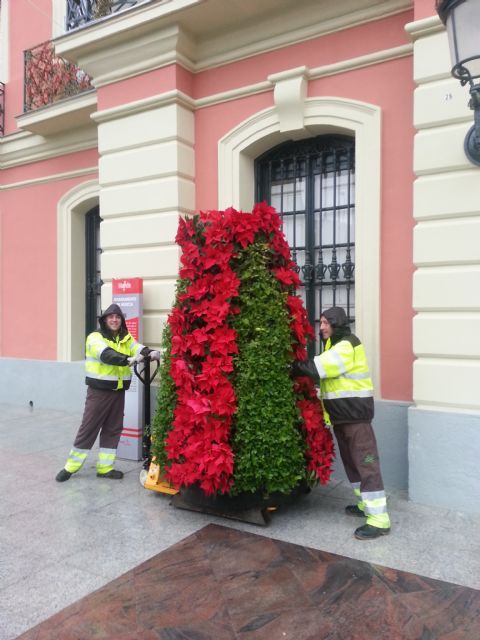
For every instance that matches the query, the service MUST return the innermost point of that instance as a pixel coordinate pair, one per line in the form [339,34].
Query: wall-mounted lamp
[462,19]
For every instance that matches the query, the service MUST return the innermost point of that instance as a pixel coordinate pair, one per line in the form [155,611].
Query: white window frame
[71,210]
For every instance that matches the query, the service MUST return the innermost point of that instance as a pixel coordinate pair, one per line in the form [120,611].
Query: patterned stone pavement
[224,584]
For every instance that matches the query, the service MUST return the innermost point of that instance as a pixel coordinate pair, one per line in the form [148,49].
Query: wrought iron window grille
[311,184]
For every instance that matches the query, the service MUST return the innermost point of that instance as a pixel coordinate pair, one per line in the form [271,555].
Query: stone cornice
[207,57]
[24,148]
[63,115]
[137,55]
[157,33]
[50,178]
[313,74]
[146,104]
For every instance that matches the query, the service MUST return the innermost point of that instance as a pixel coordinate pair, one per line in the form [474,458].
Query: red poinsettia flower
[223,341]
[246,227]
[287,276]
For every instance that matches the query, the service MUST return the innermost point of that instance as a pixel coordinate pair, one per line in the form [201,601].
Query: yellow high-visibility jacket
[345,383]
[106,364]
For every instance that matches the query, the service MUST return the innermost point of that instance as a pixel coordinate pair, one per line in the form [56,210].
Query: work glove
[154,355]
[134,359]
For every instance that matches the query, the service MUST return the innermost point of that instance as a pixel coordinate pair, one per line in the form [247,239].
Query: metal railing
[49,78]
[80,12]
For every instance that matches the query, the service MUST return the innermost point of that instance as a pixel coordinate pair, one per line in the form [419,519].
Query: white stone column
[146,176]
[444,425]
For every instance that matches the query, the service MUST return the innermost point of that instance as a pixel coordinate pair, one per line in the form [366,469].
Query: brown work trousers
[359,453]
[103,414]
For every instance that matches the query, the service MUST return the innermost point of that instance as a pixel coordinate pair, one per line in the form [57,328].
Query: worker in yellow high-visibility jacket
[347,394]
[110,352]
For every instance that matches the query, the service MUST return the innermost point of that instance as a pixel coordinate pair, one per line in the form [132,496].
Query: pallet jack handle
[146,378]
[150,477]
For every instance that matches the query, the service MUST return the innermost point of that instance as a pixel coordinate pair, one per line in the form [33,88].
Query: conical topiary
[229,417]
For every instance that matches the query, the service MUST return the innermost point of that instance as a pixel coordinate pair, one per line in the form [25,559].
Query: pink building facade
[204,104]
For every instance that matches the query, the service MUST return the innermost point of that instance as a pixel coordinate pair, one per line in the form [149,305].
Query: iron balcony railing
[80,12]
[49,78]
[2,108]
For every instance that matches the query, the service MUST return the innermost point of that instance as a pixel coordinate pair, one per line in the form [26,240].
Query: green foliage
[166,402]
[162,422]
[267,444]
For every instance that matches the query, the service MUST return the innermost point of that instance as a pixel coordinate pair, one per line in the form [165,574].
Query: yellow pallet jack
[153,480]
[150,476]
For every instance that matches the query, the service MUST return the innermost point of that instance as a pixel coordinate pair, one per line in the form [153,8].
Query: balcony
[81,12]
[54,82]
[49,78]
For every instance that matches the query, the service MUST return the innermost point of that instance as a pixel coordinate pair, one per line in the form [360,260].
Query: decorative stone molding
[25,147]
[117,55]
[201,35]
[146,104]
[425,27]
[137,55]
[290,91]
[53,177]
[65,115]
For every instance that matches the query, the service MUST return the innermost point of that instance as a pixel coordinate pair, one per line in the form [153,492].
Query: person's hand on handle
[134,359]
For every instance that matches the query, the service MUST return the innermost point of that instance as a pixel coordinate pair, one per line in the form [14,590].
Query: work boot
[369,532]
[354,510]
[63,475]
[113,474]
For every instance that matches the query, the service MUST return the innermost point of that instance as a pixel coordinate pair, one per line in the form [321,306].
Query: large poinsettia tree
[229,416]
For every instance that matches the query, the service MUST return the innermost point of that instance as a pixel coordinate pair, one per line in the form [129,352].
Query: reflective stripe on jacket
[345,383]
[101,375]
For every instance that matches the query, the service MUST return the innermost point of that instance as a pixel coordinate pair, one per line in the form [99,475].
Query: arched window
[311,184]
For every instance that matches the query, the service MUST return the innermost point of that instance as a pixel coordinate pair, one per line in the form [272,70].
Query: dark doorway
[92,269]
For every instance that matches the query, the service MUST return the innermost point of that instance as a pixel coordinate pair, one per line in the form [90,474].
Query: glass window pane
[276,197]
[327,228]
[294,229]
[288,196]
[328,192]
[300,196]
[342,228]
[342,184]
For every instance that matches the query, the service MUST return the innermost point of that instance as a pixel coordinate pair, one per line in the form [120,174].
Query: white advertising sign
[128,294]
